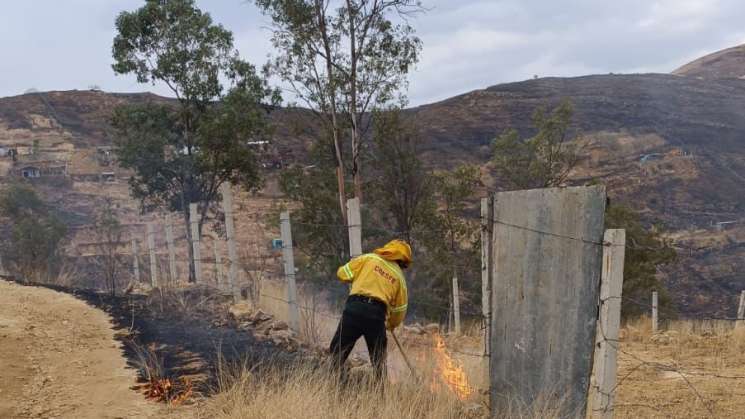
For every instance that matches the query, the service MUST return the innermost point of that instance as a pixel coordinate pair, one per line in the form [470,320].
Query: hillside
[669,145]
[725,64]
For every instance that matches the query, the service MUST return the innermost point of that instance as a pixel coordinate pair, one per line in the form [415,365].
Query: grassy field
[689,370]
[692,369]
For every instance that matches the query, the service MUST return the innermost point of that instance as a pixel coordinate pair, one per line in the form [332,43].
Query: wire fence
[261,262]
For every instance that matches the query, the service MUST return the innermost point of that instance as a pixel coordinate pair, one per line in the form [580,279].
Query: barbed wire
[632,245]
[615,344]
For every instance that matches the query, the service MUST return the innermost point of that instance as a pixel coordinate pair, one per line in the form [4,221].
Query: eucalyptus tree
[343,59]
[182,151]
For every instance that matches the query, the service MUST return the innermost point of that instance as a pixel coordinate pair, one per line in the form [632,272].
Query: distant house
[30,172]
[42,169]
[104,155]
[723,225]
[650,157]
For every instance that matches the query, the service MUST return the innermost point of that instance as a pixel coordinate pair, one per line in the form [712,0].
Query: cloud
[468,44]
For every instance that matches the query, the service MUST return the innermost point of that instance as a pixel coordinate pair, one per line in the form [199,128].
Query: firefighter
[377,302]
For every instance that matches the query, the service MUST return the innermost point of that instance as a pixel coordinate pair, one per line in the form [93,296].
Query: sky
[468,44]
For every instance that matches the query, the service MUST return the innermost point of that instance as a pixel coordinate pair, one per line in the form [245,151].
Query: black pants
[361,319]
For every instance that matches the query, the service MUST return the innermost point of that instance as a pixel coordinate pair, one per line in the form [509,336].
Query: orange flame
[163,390]
[450,370]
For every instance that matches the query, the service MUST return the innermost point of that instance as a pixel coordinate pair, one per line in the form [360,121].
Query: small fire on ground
[162,390]
[450,371]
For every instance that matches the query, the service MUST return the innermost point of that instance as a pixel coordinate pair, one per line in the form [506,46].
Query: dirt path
[58,359]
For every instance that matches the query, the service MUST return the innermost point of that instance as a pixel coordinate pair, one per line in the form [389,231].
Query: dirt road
[58,359]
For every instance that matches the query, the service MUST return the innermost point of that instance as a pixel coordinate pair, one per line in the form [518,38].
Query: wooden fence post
[195,239]
[609,322]
[289,262]
[655,318]
[3,272]
[171,250]
[218,265]
[135,260]
[740,311]
[456,305]
[355,227]
[486,210]
[153,260]
[227,207]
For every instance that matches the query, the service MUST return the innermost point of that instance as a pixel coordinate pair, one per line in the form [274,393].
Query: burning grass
[690,369]
[157,386]
[449,371]
[440,389]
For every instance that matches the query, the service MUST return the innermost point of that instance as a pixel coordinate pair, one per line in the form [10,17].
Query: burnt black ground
[189,331]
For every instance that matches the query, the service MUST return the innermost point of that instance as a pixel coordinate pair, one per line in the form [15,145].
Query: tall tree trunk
[353,111]
[320,15]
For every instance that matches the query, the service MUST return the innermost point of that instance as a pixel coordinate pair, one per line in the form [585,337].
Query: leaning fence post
[289,262]
[655,318]
[135,260]
[609,321]
[355,227]
[227,207]
[195,239]
[153,260]
[171,249]
[740,311]
[456,305]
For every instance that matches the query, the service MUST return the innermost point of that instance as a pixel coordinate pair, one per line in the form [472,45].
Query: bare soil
[59,359]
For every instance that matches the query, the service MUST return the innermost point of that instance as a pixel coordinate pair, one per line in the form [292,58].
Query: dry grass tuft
[690,368]
[311,392]
[305,391]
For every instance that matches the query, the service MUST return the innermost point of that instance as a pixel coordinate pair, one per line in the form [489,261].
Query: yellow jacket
[373,276]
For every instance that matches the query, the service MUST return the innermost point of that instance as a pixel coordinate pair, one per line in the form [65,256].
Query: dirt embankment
[58,358]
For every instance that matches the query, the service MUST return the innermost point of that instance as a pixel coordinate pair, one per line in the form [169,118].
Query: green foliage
[19,201]
[370,55]
[430,210]
[172,171]
[646,251]
[542,161]
[175,43]
[317,227]
[182,154]
[449,242]
[343,60]
[401,189]
[546,160]
[36,234]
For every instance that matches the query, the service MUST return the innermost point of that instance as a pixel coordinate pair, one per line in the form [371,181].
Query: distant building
[30,172]
[723,225]
[42,169]
[650,157]
[104,156]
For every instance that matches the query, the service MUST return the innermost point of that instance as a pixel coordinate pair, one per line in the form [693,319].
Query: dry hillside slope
[671,146]
[725,64]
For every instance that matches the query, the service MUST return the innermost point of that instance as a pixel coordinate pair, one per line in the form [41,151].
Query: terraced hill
[671,145]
